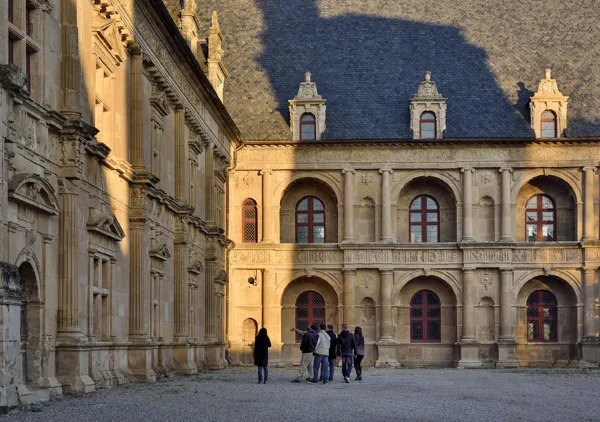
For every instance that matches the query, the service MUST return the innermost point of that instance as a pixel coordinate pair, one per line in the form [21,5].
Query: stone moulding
[161,252]
[107,225]
[33,190]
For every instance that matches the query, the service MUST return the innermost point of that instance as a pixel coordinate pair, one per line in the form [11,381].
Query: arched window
[308,127]
[549,124]
[310,308]
[249,221]
[542,321]
[310,220]
[540,219]
[424,220]
[425,317]
[428,125]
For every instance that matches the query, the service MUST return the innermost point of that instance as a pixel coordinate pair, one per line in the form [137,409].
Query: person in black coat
[332,350]
[261,354]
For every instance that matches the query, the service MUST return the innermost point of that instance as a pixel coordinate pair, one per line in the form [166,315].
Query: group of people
[321,347]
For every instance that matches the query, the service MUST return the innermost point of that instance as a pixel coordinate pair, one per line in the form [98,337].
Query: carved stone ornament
[107,225]
[427,89]
[159,101]
[161,252]
[197,267]
[11,281]
[35,191]
[222,277]
[108,35]
[12,77]
[486,280]
[548,98]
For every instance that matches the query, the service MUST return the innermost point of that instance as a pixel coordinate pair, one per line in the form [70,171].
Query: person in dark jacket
[261,354]
[345,348]
[307,347]
[359,354]
[332,350]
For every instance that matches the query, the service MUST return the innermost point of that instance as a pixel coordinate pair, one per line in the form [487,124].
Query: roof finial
[428,75]
[215,20]
[307,77]
[548,73]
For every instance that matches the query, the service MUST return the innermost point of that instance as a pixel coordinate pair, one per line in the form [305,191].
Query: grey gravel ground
[383,395]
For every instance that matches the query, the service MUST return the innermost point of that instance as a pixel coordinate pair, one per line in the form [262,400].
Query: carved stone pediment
[35,191]
[108,35]
[197,267]
[222,277]
[159,101]
[161,252]
[107,225]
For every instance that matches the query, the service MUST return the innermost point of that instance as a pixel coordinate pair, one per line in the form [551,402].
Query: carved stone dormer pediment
[307,102]
[33,190]
[222,277]
[548,98]
[161,252]
[107,225]
[197,267]
[428,100]
[109,37]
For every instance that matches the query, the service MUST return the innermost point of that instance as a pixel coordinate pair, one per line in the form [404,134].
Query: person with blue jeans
[332,350]
[346,348]
[261,354]
[321,356]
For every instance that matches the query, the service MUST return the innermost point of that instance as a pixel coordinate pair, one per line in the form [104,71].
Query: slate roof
[368,57]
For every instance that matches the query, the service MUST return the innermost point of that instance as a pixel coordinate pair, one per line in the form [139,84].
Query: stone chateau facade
[114,149]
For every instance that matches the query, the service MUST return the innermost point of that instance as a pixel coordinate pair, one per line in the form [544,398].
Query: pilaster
[506,215]
[386,205]
[386,346]
[467,205]
[507,345]
[348,205]
[469,351]
[588,204]
[137,107]
[209,168]
[182,180]
[349,297]
[268,228]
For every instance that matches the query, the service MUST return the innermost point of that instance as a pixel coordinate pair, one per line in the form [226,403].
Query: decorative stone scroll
[34,191]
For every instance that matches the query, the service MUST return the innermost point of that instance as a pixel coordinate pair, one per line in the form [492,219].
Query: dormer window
[548,124]
[428,125]
[548,109]
[428,111]
[307,112]
[307,127]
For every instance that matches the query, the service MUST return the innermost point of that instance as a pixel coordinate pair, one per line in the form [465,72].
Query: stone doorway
[249,331]
[30,326]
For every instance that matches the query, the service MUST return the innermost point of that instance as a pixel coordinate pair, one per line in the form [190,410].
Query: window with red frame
[310,308]
[549,124]
[540,219]
[249,221]
[542,321]
[425,317]
[424,220]
[428,125]
[310,220]
[308,127]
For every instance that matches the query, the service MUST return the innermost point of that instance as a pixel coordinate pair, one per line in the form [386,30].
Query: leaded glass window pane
[427,130]
[317,205]
[432,234]
[532,233]
[416,204]
[303,205]
[318,218]
[432,217]
[531,216]
[319,234]
[532,203]
[548,232]
[416,234]
[548,129]
[415,217]
[302,234]
[431,205]
[302,218]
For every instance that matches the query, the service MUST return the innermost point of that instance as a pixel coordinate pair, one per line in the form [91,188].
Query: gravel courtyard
[383,395]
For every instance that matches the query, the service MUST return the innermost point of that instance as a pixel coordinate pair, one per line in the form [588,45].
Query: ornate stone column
[467,205]
[182,180]
[469,353]
[349,285]
[588,204]
[70,69]
[268,233]
[590,340]
[386,205]
[71,355]
[506,219]
[137,106]
[209,168]
[387,353]
[348,205]
[271,314]
[507,345]
[209,299]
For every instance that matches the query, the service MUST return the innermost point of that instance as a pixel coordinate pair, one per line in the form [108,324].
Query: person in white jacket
[322,356]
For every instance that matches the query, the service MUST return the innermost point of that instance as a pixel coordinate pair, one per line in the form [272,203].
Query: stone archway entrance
[249,331]
[30,326]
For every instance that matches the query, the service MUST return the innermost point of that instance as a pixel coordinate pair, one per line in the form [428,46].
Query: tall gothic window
[542,321]
[310,308]
[549,124]
[310,220]
[249,221]
[424,220]
[428,125]
[425,317]
[308,127]
[540,219]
